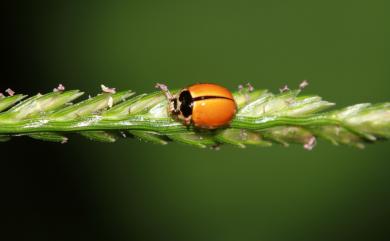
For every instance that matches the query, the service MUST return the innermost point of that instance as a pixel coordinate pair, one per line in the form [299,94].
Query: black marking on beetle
[186,103]
[210,97]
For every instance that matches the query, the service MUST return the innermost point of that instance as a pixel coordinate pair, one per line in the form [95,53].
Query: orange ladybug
[207,106]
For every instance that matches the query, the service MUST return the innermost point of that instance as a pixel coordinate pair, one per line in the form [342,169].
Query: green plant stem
[262,119]
[163,126]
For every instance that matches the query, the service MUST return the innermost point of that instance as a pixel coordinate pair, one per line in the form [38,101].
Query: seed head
[106,89]
[110,102]
[284,89]
[10,92]
[303,84]
[59,88]
[310,144]
[250,87]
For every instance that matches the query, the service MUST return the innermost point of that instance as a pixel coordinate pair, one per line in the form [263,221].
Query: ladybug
[206,106]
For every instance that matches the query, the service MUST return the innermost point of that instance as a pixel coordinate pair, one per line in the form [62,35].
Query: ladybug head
[182,104]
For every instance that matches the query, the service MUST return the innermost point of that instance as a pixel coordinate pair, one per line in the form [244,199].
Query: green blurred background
[132,190]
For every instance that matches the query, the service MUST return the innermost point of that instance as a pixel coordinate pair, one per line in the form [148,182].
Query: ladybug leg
[187,121]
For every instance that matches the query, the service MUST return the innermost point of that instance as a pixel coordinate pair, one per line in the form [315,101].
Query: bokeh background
[132,190]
